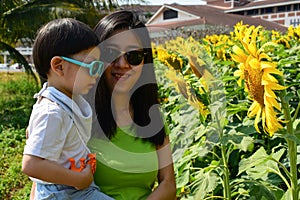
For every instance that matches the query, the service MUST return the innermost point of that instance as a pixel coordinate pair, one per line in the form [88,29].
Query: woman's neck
[123,110]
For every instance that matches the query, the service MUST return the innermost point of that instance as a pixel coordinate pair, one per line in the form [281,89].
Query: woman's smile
[121,76]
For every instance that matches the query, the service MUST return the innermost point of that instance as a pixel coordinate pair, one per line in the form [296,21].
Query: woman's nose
[122,62]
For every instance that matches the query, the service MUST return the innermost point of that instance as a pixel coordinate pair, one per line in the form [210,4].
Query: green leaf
[247,129]
[206,183]
[260,164]
[296,125]
[287,195]
[260,191]
[241,141]
[289,96]
[294,138]
[298,93]
[183,179]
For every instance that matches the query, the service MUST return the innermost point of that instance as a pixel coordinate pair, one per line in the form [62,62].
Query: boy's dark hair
[60,37]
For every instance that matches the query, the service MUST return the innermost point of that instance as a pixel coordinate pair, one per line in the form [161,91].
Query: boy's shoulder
[43,101]
[49,107]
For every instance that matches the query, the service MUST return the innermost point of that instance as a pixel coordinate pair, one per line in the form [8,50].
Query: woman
[133,148]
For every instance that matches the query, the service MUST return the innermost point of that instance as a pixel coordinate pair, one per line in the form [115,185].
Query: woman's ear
[56,64]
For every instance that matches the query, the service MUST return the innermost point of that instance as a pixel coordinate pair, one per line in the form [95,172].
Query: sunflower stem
[296,112]
[218,112]
[227,192]
[292,146]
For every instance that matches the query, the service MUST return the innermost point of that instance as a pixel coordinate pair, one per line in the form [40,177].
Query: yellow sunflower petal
[256,121]
[254,63]
[263,119]
[271,121]
[273,71]
[269,92]
[252,48]
[254,109]
[263,56]
[238,54]
[272,102]
[275,86]
[239,73]
[268,78]
[265,65]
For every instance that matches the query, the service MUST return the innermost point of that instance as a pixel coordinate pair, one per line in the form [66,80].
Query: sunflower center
[253,79]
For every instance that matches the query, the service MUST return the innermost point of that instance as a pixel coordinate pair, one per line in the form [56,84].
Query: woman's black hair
[144,97]
[61,37]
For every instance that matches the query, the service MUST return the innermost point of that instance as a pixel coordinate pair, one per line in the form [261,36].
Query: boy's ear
[56,64]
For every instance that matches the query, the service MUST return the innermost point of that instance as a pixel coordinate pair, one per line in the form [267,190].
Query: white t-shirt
[59,127]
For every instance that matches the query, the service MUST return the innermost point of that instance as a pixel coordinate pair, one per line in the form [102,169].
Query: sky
[182,2]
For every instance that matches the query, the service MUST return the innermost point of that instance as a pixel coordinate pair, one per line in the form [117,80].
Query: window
[266,10]
[269,10]
[282,8]
[170,14]
[239,13]
[252,12]
[296,7]
[226,1]
[295,22]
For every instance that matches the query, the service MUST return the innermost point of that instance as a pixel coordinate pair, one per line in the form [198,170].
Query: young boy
[65,53]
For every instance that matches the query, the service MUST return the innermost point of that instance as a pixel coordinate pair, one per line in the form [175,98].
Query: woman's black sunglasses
[135,57]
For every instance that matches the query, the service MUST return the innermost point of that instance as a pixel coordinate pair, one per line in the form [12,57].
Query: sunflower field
[232,106]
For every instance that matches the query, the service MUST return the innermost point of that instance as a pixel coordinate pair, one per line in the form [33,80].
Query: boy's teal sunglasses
[96,67]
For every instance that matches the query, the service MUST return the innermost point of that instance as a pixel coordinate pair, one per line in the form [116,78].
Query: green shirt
[127,166]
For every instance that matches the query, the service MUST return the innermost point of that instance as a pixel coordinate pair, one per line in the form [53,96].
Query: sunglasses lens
[94,68]
[135,57]
[109,55]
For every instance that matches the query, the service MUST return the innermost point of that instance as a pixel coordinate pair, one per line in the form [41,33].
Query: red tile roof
[214,16]
[144,8]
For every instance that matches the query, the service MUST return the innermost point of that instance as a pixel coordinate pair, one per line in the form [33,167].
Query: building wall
[181,16]
[226,4]
[286,19]
[291,15]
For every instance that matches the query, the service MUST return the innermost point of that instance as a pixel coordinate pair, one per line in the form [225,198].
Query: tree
[20,19]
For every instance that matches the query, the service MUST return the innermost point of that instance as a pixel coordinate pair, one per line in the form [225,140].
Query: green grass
[16,100]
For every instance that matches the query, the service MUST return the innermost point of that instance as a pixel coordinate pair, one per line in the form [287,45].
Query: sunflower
[217,45]
[294,32]
[280,39]
[185,89]
[170,59]
[257,69]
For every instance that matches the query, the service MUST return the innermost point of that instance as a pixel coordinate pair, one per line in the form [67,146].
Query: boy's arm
[52,172]
[32,192]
